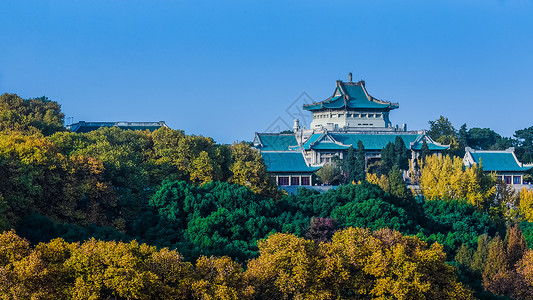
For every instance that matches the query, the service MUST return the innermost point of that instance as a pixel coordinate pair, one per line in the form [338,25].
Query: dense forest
[124,214]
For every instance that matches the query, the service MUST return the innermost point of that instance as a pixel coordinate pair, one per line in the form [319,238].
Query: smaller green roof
[329,146]
[84,127]
[373,141]
[275,141]
[495,161]
[293,162]
[311,140]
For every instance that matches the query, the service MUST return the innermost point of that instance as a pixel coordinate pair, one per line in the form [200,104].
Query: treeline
[104,177]
[356,264]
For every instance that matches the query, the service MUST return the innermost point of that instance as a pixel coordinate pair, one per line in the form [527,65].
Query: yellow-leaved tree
[526,204]
[445,177]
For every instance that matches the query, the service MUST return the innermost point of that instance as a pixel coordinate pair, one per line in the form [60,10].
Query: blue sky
[227,69]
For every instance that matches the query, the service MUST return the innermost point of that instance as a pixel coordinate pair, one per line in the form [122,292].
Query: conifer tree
[516,245]
[496,261]
[464,256]
[424,151]
[360,162]
[397,185]
[481,255]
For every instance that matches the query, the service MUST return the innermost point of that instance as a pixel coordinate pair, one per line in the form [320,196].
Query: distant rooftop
[83,126]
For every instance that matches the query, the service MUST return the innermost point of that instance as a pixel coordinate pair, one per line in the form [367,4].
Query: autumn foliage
[356,263]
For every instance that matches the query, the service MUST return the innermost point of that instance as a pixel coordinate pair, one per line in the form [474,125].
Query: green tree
[397,184]
[482,138]
[329,173]
[360,163]
[441,128]
[525,144]
[31,115]
[481,255]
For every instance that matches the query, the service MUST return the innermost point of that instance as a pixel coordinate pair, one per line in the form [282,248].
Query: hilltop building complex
[340,121]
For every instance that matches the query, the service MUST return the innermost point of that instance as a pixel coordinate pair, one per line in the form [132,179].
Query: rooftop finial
[350,76]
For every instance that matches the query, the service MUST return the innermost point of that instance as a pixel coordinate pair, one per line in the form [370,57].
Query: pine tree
[401,154]
[516,244]
[359,163]
[481,254]
[424,151]
[496,261]
[397,185]
[464,256]
[349,165]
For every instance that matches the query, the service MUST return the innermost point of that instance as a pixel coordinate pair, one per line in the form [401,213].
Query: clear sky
[227,69]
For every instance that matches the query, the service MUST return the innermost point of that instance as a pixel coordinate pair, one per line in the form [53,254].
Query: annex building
[350,115]
[83,126]
[502,162]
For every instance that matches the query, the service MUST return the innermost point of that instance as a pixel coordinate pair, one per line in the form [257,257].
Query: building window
[378,115]
[340,115]
[499,178]
[363,115]
[306,181]
[349,115]
[356,115]
[370,115]
[517,179]
[283,180]
[295,180]
[507,179]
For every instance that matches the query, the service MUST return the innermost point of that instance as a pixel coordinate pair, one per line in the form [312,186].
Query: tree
[31,115]
[220,278]
[516,245]
[248,169]
[441,129]
[481,255]
[444,178]
[287,268]
[328,174]
[359,163]
[348,164]
[203,169]
[424,150]
[526,204]
[397,184]
[321,229]
[525,144]
[482,138]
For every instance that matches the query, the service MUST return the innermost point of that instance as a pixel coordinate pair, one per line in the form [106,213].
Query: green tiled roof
[497,161]
[431,146]
[355,96]
[286,162]
[329,146]
[277,142]
[84,127]
[311,140]
[372,141]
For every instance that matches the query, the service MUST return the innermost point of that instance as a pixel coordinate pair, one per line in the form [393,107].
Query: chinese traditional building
[83,126]
[340,121]
[502,162]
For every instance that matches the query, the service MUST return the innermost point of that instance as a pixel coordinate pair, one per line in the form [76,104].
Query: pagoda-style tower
[351,108]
